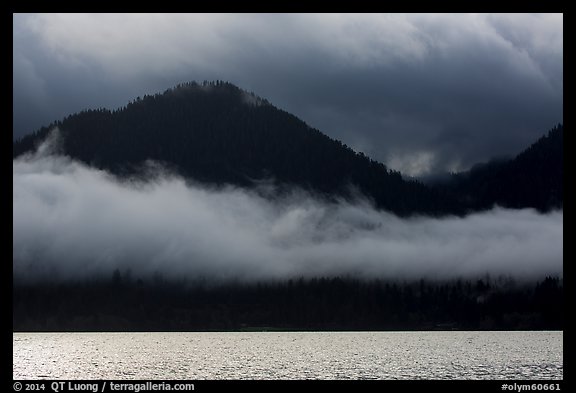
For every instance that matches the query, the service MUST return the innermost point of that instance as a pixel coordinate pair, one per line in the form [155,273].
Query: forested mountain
[531,179]
[219,134]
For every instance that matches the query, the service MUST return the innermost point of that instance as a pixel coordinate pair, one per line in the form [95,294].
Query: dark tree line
[125,304]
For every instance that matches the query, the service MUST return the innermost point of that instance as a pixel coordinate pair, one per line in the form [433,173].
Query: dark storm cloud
[419,92]
[72,221]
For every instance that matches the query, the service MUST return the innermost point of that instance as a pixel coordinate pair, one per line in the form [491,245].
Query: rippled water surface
[289,355]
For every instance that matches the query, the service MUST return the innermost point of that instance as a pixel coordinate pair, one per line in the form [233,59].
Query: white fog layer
[73,221]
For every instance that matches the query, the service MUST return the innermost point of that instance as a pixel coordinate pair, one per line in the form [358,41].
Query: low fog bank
[74,222]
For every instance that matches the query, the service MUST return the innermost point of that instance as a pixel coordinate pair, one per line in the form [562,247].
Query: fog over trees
[206,207]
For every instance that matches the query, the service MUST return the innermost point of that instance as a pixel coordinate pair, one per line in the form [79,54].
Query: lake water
[289,355]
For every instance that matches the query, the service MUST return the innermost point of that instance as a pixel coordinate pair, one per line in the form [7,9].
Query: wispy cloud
[72,221]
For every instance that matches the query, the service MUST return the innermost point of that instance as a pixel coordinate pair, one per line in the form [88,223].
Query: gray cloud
[74,221]
[457,89]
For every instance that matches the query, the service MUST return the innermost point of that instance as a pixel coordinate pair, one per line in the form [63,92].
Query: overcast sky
[421,93]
